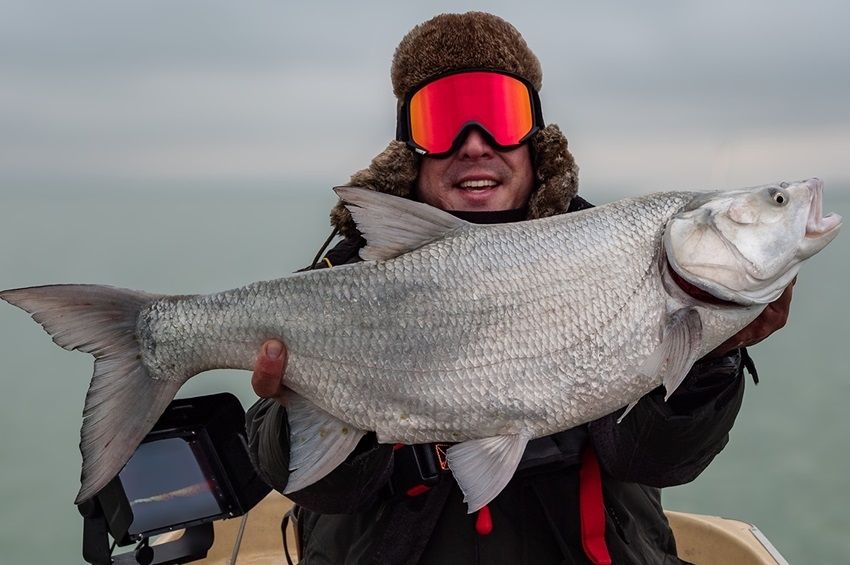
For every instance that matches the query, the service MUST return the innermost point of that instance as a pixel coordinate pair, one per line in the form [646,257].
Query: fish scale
[484,335]
[481,335]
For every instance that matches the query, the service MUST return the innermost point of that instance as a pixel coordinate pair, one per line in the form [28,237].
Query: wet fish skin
[486,335]
[446,343]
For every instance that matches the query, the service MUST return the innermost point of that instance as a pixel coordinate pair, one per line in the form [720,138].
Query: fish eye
[779,196]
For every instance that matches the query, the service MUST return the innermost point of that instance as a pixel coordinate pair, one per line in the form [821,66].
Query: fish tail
[124,400]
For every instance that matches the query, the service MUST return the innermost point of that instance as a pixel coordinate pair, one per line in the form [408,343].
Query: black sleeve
[268,441]
[352,486]
[669,443]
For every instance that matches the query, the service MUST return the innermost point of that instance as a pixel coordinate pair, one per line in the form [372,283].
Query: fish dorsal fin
[318,442]
[393,225]
[677,352]
[482,467]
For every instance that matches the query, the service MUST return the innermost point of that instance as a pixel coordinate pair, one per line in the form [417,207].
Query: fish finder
[192,469]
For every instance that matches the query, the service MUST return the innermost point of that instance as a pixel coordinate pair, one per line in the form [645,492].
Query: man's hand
[771,319]
[267,379]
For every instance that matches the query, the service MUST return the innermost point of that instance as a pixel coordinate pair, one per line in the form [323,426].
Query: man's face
[477,178]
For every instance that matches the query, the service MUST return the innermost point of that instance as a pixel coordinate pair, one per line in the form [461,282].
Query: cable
[238,542]
[322,249]
[283,525]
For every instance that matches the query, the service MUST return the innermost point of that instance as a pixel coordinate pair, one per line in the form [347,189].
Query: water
[785,469]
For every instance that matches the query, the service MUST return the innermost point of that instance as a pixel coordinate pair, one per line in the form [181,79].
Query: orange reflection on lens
[500,104]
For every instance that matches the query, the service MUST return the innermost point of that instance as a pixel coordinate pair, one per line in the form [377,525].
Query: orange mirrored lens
[499,103]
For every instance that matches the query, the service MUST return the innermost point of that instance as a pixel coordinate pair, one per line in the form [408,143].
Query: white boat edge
[702,540]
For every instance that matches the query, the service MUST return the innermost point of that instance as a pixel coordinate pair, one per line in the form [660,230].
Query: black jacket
[350,516]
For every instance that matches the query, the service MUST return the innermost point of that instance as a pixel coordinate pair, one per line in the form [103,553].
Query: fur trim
[394,171]
[556,174]
[451,42]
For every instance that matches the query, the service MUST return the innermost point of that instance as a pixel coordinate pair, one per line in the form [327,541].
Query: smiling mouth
[482,184]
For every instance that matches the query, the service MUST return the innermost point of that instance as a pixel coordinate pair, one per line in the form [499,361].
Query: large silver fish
[484,336]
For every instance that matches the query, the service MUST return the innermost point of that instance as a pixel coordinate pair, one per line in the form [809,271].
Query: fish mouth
[818,225]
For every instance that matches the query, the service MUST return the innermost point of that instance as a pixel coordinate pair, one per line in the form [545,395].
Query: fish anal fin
[393,225]
[482,467]
[318,442]
[678,350]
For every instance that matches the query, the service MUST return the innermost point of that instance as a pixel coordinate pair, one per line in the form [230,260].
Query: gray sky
[195,94]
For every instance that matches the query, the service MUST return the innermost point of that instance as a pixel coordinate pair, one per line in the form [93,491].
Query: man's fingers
[773,318]
[268,370]
[784,300]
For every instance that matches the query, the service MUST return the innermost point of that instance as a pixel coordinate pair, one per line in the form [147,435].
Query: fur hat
[451,42]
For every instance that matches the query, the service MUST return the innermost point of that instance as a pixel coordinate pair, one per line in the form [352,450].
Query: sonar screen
[171,481]
[192,469]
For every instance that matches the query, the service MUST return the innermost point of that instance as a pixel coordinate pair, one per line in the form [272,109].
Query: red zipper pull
[416,490]
[484,521]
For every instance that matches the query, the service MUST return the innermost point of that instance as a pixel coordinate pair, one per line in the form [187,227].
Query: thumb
[269,369]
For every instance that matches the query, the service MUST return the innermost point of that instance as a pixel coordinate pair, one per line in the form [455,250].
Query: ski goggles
[435,117]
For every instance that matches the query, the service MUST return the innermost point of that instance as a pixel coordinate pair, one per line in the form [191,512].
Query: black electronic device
[190,470]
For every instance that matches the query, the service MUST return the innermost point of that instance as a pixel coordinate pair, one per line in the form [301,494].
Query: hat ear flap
[393,171]
[556,174]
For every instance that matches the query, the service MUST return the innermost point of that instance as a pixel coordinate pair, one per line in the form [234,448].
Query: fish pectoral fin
[393,225]
[627,410]
[482,467]
[318,442]
[678,350]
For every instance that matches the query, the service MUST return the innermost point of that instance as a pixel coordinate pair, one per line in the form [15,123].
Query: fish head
[745,246]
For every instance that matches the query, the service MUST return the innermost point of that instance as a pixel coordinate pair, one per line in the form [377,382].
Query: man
[586,495]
